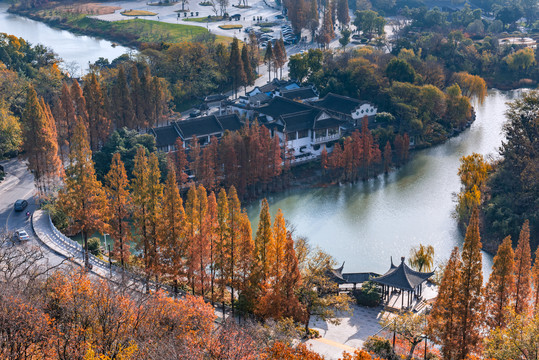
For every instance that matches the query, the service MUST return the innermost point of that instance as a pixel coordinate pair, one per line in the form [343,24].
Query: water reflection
[73,49]
[366,223]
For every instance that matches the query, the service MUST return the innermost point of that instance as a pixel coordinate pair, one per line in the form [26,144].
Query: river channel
[74,49]
[364,224]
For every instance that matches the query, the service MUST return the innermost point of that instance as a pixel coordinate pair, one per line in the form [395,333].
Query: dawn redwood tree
[212,225]
[444,318]
[269,58]
[313,18]
[139,189]
[117,189]
[245,263]
[80,102]
[121,107]
[83,197]
[138,100]
[181,162]
[250,75]
[263,241]
[280,56]
[236,67]
[40,141]
[469,295]
[64,114]
[208,166]
[154,193]
[535,277]
[172,227]
[369,148]
[327,33]
[343,14]
[221,261]
[500,289]
[234,227]
[202,244]
[522,271]
[99,126]
[277,247]
[387,157]
[192,228]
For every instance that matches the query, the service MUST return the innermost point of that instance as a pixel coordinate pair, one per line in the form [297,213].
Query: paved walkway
[349,335]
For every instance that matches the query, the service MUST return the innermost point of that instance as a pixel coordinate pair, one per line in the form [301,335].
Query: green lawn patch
[230,27]
[266,24]
[205,3]
[163,3]
[130,32]
[138,13]
[266,30]
[203,19]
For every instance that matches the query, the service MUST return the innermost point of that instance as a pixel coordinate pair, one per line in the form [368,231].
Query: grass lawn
[230,27]
[138,13]
[203,19]
[126,31]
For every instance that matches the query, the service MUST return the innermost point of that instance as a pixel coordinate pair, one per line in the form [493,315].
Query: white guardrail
[74,248]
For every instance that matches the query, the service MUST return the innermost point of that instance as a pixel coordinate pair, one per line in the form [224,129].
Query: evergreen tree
[446,311]
[470,290]
[40,141]
[523,271]
[236,67]
[117,189]
[500,289]
[99,126]
[83,198]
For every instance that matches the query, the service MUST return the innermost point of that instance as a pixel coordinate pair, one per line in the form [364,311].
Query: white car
[22,235]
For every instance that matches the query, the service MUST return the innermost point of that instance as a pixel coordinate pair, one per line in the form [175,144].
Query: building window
[291,136]
[320,133]
[332,131]
[303,134]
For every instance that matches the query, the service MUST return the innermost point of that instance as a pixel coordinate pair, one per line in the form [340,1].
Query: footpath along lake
[77,49]
[364,224]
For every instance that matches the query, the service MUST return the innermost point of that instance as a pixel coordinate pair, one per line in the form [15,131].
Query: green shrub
[266,30]
[380,347]
[367,295]
[94,246]
[266,24]
[230,27]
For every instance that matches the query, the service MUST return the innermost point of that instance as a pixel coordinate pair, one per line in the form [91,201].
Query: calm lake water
[71,48]
[364,224]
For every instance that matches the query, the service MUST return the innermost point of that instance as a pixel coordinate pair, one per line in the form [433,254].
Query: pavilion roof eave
[403,277]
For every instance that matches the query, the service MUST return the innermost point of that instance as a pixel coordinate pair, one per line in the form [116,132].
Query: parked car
[21,235]
[356,37]
[20,205]
[195,113]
